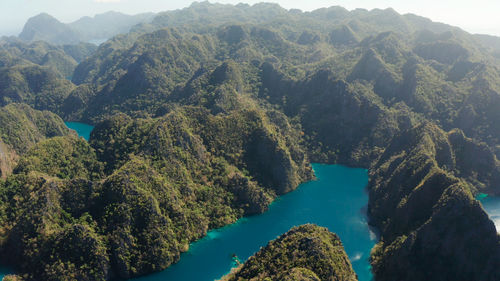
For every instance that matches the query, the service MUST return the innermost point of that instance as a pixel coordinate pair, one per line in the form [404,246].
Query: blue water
[337,200]
[82,129]
[492,206]
[5,271]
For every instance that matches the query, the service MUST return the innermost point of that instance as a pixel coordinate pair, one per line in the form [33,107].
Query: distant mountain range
[87,29]
[97,29]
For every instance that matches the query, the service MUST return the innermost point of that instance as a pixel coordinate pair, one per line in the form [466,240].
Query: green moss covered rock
[306,252]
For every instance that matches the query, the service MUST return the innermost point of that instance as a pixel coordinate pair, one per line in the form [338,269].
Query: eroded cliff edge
[421,200]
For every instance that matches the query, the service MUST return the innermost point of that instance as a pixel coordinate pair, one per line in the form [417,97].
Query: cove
[492,206]
[336,200]
[82,129]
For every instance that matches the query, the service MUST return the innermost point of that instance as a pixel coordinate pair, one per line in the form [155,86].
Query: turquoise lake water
[337,200]
[4,271]
[492,206]
[82,129]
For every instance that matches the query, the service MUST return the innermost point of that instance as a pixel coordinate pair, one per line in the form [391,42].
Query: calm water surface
[492,206]
[4,271]
[337,200]
[82,129]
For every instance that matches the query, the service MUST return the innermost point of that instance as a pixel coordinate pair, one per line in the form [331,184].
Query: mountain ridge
[127,22]
[101,26]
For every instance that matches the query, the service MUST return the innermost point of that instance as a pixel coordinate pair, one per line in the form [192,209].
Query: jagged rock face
[343,35]
[458,232]
[273,162]
[308,38]
[306,252]
[444,52]
[60,59]
[475,162]
[298,273]
[11,277]
[427,217]
[40,87]
[31,126]
[8,158]
[65,157]
[232,34]
[333,111]
[39,224]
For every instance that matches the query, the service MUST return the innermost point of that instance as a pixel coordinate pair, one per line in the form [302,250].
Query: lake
[4,271]
[82,129]
[492,206]
[336,200]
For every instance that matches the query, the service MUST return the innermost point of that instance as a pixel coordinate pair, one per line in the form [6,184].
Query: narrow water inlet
[336,200]
[492,206]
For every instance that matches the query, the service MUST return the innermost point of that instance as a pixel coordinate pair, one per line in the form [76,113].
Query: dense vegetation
[60,59]
[207,113]
[306,252]
[21,127]
[37,86]
[37,73]
[421,200]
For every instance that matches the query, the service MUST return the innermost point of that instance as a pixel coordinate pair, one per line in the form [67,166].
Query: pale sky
[478,16]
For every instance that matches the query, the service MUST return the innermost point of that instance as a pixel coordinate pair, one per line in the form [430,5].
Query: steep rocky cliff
[21,127]
[421,200]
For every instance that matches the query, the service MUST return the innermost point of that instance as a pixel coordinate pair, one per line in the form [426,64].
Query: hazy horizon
[474,17]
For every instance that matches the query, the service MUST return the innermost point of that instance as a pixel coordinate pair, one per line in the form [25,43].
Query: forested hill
[208,113]
[306,252]
[21,127]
